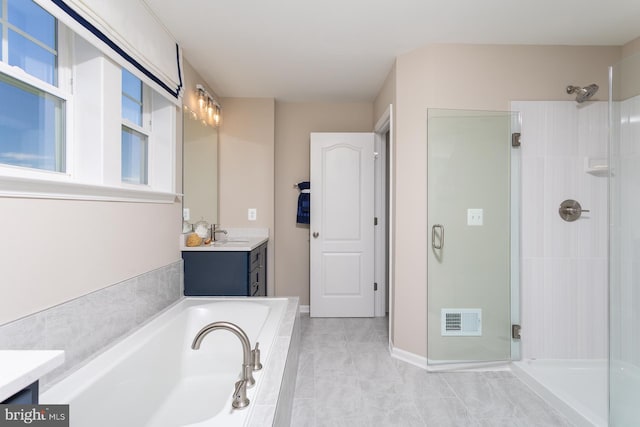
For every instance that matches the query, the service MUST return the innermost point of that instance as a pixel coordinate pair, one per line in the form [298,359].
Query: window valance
[129,33]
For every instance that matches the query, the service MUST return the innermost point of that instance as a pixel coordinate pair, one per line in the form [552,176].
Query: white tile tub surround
[185,393]
[84,326]
[564,264]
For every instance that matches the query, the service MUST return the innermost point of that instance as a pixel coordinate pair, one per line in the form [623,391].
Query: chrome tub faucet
[250,359]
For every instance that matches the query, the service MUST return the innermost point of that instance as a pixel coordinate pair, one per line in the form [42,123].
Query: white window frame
[16,181]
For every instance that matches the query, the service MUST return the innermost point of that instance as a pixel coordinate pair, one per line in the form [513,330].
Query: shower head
[583,93]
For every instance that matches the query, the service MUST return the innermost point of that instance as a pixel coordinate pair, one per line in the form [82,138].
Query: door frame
[383,239]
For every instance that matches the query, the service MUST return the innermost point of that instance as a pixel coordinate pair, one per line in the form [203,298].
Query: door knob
[315,234]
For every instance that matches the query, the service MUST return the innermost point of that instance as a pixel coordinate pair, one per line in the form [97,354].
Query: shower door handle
[440,244]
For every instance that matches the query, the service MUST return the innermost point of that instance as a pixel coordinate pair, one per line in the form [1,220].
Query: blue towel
[304,203]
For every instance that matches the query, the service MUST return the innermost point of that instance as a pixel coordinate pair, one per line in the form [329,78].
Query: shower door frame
[514,257]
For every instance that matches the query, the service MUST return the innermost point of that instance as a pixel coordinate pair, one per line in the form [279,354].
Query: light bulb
[201,100]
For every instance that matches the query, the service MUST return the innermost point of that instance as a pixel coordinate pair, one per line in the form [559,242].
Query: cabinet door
[262,279]
[216,273]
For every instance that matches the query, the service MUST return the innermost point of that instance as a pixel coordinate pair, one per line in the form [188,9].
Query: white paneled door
[342,225]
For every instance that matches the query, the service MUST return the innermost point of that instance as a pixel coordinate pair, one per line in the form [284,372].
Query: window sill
[42,189]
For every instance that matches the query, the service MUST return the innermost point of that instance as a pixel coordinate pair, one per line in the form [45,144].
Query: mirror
[200,169]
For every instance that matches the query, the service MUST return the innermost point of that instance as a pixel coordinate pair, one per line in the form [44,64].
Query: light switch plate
[252,214]
[475,216]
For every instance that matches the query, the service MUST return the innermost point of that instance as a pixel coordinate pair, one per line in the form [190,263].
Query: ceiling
[342,50]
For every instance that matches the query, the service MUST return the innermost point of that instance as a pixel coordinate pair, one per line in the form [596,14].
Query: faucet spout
[215,230]
[239,396]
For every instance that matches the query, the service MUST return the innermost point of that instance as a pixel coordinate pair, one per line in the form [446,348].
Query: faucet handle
[255,357]
[240,399]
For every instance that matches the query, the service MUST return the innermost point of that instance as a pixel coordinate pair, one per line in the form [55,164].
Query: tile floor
[347,378]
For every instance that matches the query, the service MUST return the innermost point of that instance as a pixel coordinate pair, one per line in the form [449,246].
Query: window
[31,36]
[74,124]
[32,129]
[135,138]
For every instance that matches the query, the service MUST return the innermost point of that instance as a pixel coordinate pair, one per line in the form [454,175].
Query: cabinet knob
[315,234]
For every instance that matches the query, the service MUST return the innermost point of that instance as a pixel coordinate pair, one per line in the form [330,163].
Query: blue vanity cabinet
[26,396]
[225,273]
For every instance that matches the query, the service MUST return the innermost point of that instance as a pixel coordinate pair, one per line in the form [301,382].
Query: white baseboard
[304,309]
[405,356]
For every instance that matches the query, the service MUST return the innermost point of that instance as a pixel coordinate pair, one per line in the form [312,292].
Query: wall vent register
[461,322]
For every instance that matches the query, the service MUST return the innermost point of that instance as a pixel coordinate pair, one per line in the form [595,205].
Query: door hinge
[375,220]
[515,139]
[375,286]
[515,332]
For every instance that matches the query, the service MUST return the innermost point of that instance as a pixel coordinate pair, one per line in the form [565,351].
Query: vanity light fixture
[216,116]
[202,96]
[209,108]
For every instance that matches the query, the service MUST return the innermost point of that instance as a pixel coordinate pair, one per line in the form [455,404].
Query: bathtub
[153,378]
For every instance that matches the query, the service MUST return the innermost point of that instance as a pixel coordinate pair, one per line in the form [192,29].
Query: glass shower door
[470,271]
[624,244]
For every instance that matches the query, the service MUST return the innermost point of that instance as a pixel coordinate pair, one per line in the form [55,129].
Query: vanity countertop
[235,244]
[20,368]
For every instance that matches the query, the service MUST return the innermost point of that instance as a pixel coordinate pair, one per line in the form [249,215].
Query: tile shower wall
[564,264]
[84,326]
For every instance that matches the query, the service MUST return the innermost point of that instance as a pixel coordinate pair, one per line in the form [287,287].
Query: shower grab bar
[433,236]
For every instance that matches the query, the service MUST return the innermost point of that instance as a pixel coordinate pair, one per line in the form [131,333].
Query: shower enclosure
[473,259]
[624,265]
[564,263]
[580,277]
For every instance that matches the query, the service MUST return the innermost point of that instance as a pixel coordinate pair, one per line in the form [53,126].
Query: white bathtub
[153,378]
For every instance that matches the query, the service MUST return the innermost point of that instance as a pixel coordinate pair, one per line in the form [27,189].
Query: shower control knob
[570,210]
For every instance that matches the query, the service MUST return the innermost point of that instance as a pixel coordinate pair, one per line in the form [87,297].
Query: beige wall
[625,74]
[631,48]
[246,149]
[294,123]
[57,250]
[386,96]
[463,77]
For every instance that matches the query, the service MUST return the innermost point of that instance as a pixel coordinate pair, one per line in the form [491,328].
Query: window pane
[134,157]
[33,20]
[131,98]
[131,111]
[32,58]
[131,86]
[31,127]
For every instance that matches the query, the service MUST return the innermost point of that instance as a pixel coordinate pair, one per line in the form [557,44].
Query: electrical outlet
[252,214]
[475,216]
[186,214]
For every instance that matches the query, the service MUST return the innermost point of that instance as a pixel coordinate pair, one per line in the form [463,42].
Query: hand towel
[303,215]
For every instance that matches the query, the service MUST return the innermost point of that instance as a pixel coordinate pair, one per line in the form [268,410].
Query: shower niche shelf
[596,166]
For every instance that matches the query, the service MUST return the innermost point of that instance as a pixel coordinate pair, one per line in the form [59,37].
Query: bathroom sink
[234,242]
